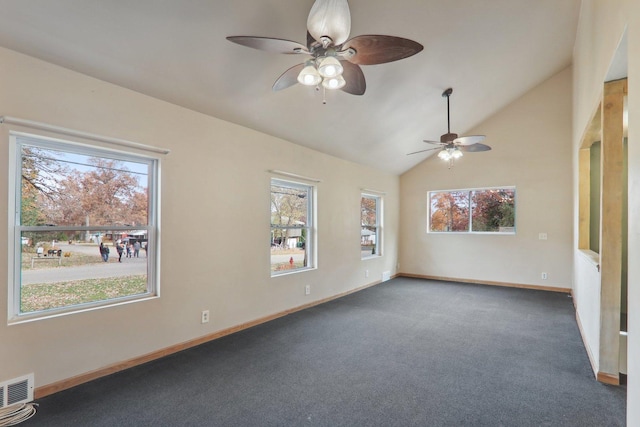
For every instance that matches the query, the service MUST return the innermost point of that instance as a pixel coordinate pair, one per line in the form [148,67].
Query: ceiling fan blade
[288,78]
[474,148]
[375,49]
[352,73]
[269,44]
[469,140]
[434,142]
[330,18]
[422,151]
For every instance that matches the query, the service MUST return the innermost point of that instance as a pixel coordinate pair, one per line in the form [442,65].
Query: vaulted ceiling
[491,52]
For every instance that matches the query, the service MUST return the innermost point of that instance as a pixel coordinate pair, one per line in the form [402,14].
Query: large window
[84,228]
[485,210]
[292,226]
[371,225]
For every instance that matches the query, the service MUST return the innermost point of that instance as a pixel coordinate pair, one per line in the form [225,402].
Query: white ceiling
[490,51]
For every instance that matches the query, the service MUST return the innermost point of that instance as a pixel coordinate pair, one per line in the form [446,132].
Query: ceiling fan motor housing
[448,137]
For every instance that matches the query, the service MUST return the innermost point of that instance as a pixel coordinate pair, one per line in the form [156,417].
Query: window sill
[287,272]
[50,314]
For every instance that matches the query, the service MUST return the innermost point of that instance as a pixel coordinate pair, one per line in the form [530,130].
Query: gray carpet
[407,352]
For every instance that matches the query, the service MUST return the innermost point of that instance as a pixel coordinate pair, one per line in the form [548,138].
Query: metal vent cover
[17,390]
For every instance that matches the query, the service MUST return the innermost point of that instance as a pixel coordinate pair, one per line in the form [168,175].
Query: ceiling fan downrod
[447,93]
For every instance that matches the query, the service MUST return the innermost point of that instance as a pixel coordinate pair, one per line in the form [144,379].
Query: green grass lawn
[44,296]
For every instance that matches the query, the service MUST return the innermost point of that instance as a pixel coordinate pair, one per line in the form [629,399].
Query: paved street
[113,268]
[128,266]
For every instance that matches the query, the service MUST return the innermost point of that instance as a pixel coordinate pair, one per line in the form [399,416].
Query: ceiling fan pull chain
[324,96]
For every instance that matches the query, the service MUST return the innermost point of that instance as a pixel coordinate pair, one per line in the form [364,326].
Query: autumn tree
[39,184]
[139,213]
[109,190]
[98,191]
[493,209]
[450,211]
[288,208]
[368,208]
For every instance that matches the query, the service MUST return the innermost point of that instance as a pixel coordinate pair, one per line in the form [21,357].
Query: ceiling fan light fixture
[330,67]
[337,82]
[456,154]
[309,76]
[444,155]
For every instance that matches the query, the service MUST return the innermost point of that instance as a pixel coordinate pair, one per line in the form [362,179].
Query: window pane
[289,205]
[71,189]
[66,268]
[291,225]
[493,210]
[449,211]
[71,198]
[369,221]
[368,241]
[289,251]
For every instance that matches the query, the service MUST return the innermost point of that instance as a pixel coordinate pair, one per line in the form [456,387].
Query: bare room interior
[205,113]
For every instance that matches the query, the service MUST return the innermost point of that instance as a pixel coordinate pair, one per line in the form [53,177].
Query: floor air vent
[17,390]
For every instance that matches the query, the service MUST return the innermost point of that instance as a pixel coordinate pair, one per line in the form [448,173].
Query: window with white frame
[292,226]
[371,225]
[482,210]
[84,227]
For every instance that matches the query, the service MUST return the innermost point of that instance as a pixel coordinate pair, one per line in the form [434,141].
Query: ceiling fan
[335,59]
[451,145]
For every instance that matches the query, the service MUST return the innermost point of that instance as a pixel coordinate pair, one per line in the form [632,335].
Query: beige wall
[602,24]
[215,224]
[531,150]
[600,29]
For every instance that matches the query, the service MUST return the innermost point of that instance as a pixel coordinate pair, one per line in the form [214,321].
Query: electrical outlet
[366,273]
[542,236]
[544,276]
[205,316]
[307,289]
